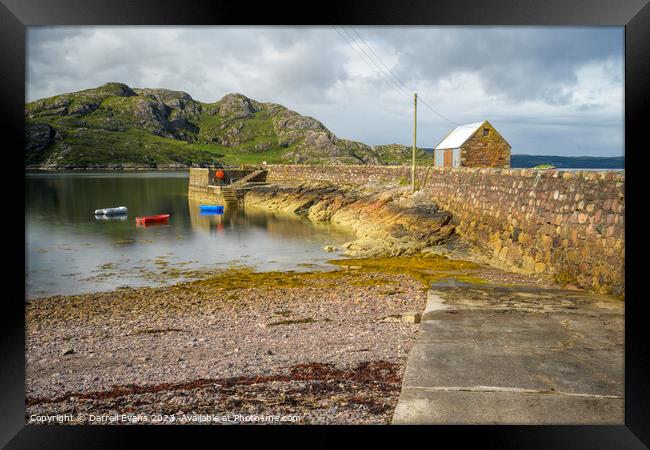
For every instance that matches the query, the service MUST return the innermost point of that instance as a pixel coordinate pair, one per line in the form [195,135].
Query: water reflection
[70,250]
[281,225]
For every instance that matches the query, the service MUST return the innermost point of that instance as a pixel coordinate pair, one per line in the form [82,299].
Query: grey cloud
[308,69]
[516,62]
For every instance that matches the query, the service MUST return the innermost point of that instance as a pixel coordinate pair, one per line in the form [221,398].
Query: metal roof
[459,135]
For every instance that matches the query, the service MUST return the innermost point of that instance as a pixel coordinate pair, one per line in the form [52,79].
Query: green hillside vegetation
[115,126]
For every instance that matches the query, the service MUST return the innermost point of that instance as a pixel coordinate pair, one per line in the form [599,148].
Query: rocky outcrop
[76,103]
[387,221]
[236,106]
[38,138]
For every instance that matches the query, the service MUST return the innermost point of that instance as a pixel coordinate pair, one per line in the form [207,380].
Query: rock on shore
[388,221]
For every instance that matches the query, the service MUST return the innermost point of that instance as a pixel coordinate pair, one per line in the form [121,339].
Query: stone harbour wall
[568,226]
[342,174]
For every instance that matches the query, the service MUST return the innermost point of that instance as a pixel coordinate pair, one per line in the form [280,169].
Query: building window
[486,131]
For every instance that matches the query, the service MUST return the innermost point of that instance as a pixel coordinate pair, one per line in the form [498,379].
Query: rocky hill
[115,126]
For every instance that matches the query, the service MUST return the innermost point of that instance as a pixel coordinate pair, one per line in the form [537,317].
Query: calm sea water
[70,251]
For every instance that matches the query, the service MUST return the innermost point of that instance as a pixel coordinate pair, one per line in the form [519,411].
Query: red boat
[152,219]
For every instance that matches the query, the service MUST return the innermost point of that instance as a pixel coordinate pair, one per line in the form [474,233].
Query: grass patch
[97,146]
[209,126]
[233,156]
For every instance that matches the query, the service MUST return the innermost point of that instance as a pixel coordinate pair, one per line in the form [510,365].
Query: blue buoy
[212,208]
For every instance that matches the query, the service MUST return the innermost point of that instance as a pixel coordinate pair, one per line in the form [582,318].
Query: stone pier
[515,355]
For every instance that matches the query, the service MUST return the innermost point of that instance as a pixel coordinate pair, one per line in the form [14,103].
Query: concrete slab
[555,331]
[576,371]
[429,407]
[517,353]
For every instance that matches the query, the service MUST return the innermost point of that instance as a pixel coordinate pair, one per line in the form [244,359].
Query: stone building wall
[485,151]
[562,225]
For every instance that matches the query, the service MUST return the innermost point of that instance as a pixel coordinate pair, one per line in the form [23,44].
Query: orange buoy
[219,173]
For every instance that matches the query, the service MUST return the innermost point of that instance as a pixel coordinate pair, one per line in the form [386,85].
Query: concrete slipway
[515,355]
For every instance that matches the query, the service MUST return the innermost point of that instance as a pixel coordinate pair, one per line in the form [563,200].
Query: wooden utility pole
[415,133]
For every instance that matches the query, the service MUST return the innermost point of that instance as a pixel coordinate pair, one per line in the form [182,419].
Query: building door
[448,158]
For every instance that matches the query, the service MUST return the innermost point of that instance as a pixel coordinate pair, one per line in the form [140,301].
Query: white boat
[111,211]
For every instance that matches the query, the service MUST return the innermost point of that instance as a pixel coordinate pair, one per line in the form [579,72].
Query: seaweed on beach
[372,372]
[292,321]
[424,268]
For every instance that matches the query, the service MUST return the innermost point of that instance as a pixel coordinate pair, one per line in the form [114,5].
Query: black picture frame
[634,15]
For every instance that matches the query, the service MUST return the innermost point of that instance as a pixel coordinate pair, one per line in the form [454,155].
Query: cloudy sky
[548,90]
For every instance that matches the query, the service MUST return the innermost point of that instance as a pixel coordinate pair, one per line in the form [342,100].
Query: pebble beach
[331,351]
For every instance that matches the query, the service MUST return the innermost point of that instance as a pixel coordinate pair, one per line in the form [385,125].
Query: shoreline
[328,346]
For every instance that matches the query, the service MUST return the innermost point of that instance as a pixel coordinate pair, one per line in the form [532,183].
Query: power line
[347,41]
[436,112]
[369,58]
[387,69]
[390,73]
[398,82]
[366,59]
